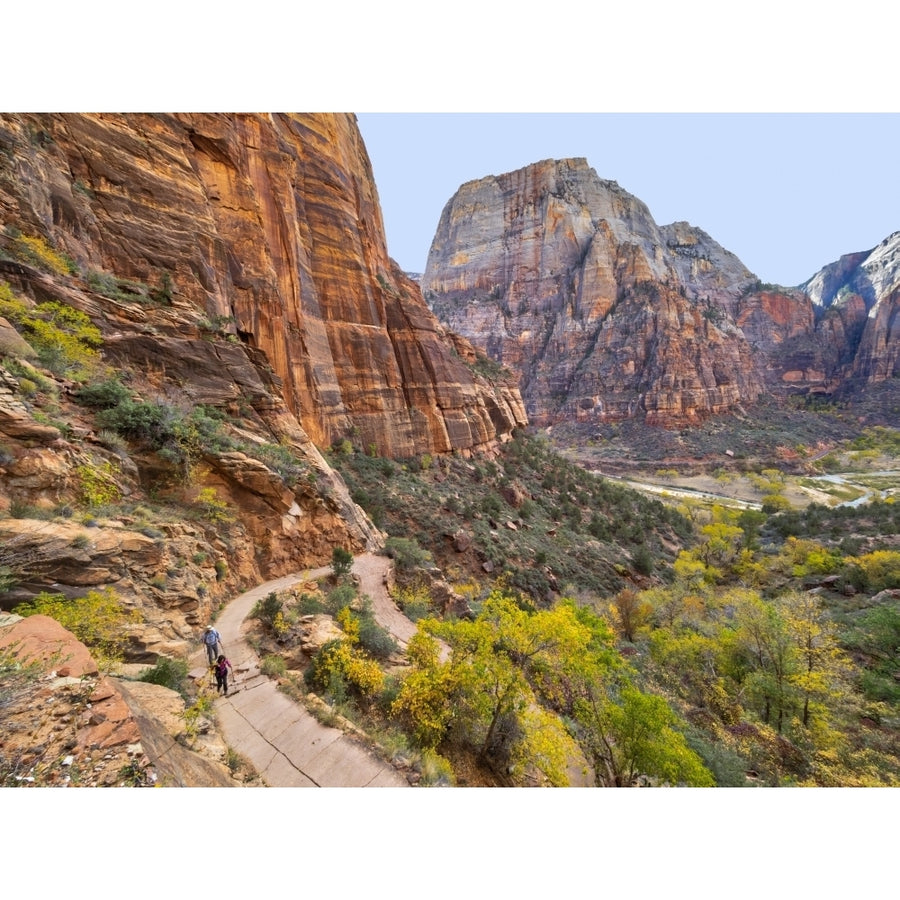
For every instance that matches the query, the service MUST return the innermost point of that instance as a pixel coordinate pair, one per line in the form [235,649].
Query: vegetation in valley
[529,516]
[768,645]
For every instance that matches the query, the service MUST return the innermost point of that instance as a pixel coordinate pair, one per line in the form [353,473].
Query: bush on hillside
[170,673]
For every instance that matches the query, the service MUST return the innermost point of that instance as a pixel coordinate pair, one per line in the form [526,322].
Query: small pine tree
[341,562]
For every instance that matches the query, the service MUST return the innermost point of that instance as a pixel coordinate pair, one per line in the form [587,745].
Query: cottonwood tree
[769,663]
[823,670]
[635,736]
[793,666]
[513,676]
[481,695]
[630,612]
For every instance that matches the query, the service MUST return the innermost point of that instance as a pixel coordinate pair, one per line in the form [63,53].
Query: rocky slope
[605,315]
[67,724]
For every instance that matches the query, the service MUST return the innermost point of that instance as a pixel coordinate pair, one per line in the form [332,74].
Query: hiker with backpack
[212,640]
[222,666]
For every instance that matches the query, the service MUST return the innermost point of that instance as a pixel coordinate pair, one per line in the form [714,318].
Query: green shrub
[339,598]
[415,601]
[217,325]
[18,509]
[310,605]
[27,387]
[98,620]
[9,578]
[273,666]
[643,560]
[151,423]
[436,771]
[341,562]
[124,290]
[170,673]
[177,437]
[193,715]
[97,484]
[212,507]
[23,370]
[375,639]
[103,394]
[406,553]
[111,440]
[65,339]
[281,459]
[340,666]
[37,252]
[268,609]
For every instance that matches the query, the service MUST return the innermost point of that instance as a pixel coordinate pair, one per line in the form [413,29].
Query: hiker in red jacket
[222,667]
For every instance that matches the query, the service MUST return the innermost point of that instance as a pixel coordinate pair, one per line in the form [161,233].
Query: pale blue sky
[787,193]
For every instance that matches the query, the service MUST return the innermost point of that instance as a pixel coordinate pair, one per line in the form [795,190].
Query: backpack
[212,638]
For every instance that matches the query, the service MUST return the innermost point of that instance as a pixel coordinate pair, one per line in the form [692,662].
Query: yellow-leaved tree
[533,691]
[99,620]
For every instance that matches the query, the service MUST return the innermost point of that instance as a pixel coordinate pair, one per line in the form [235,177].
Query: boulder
[44,640]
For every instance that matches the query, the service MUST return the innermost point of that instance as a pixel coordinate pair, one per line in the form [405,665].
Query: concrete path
[371,570]
[285,743]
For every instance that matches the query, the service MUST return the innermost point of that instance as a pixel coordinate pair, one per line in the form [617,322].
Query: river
[870,493]
[847,478]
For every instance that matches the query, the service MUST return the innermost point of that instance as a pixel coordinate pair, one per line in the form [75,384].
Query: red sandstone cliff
[862,291]
[567,279]
[268,226]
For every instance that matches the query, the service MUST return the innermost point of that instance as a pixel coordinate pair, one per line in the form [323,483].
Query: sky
[787,193]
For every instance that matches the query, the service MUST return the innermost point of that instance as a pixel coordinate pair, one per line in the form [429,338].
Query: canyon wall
[566,279]
[235,269]
[268,227]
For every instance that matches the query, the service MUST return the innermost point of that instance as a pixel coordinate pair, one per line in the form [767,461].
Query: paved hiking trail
[284,742]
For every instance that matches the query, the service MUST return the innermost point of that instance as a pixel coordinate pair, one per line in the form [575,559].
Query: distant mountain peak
[567,279]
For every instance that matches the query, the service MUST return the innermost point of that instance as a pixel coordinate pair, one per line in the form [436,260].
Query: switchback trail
[284,742]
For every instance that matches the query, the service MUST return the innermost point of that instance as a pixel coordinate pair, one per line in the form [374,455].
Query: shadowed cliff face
[861,291]
[269,227]
[567,280]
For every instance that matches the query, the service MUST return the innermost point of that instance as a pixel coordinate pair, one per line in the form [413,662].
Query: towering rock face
[566,279]
[267,228]
[861,291]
